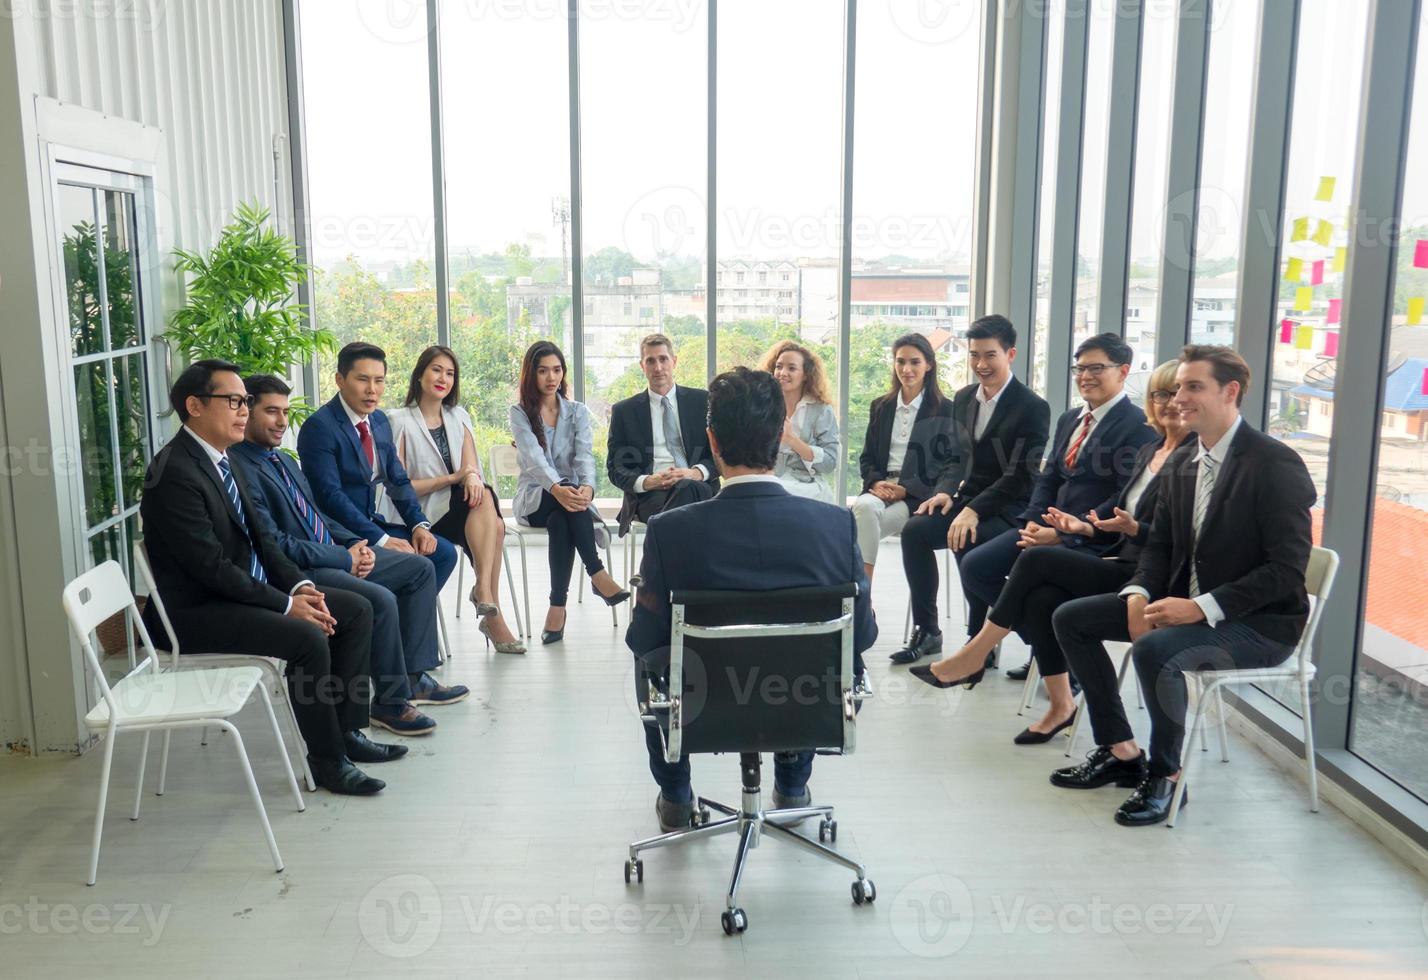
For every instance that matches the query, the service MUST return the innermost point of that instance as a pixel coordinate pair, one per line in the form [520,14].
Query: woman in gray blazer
[555,444]
[808,452]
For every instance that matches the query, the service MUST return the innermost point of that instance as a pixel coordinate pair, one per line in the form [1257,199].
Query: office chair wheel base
[864,891]
[733,920]
[828,831]
[700,818]
[635,868]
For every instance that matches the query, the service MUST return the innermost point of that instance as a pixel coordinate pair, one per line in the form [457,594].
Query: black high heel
[612,600]
[547,637]
[924,673]
[1029,737]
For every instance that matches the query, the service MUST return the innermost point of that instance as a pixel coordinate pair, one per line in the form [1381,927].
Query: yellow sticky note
[1341,258]
[1326,189]
[1304,299]
[1415,311]
[1301,230]
[1294,270]
[1323,233]
[1304,338]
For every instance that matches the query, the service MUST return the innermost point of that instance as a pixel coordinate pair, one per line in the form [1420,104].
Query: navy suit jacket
[1103,467]
[753,537]
[342,482]
[274,506]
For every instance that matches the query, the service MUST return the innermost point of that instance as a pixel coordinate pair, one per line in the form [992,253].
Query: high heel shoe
[611,600]
[482,608]
[502,646]
[547,637]
[1029,737]
[924,673]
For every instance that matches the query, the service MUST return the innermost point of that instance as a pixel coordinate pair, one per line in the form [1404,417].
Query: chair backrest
[91,599]
[146,574]
[1318,581]
[761,671]
[504,461]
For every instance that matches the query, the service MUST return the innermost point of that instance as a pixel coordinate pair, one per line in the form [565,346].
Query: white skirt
[816,490]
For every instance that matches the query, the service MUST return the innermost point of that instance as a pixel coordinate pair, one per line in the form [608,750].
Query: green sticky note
[1294,270]
[1326,189]
[1301,230]
[1304,299]
[1415,311]
[1323,233]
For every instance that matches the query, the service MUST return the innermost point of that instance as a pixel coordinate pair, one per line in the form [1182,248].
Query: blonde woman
[808,450]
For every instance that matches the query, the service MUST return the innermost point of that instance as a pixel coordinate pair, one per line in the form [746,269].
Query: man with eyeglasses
[228,587]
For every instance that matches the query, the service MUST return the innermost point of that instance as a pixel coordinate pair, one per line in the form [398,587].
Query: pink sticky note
[1336,309]
[1424,388]
[1286,331]
[1316,275]
[1331,344]
[1420,254]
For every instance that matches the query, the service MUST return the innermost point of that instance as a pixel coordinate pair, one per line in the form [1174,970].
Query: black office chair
[753,672]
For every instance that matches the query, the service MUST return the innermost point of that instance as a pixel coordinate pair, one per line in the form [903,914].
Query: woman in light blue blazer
[556,490]
[808,451]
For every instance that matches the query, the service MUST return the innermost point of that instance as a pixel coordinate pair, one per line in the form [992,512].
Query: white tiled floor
[497,849]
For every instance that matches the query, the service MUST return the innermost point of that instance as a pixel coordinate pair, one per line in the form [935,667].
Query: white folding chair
[632,547]
[947,598]
[1113,648]
[1318,581]
[271,667]
[148,700]
[504,462]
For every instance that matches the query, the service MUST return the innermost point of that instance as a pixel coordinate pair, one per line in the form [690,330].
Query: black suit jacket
[1127,547]
[631,443]
[933,450]
[197,549]
[1255,542]
[1001,466]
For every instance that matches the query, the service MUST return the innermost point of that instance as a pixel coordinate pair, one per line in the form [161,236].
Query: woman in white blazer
[808,452]
[555,444]
[437,445]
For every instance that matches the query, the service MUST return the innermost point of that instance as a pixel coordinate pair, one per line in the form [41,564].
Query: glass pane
[644,168]
[1152,162]
[1050,130]
[108,544]
[96,441]
[508,210]
[1229,80]
[369,164]
[121,270]
[1390,708]
[131,399]
[912,211]
[78,222]
[1094,139]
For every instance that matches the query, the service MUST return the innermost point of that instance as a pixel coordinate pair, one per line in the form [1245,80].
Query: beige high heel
[482,608]
[510,646]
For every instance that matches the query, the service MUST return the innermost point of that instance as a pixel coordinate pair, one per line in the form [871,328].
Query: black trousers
[568,533]
[328,676]
[684,492]
[1041,581]
[922,537]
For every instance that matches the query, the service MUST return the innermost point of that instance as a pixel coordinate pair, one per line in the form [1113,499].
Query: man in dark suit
[228,587]
[1002,426]
[1220,584]
[400,587]
[346,451]
[750,518]
[1092,458]
[658,454]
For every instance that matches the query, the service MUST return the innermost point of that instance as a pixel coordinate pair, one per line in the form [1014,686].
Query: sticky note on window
[1420,254]
[1316,273]
[1286,331]
[1304,299]
[1331,344]
[1301,230]
[1336,310]
[1304,338]
[1294,270]
[1415,311]
[1324,233]
[1341,258]
[1326,189]
[1423,388]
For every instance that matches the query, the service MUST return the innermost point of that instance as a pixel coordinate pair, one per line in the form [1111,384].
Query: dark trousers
[443,559]
[402,591]
[925,535]
[327,676]
[1040,582]
[791,770]
[684,492]
[1161,658]
[568,532]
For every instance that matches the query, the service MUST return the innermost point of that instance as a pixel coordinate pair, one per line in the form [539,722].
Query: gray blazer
[569,454]
[816,425]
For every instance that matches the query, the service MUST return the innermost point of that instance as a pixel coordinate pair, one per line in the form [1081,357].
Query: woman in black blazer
[1044,578]
[911,436]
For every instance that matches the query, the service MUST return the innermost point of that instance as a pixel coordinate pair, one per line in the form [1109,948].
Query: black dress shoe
[1029,737]
[342,777]
[922,644]
[1019,673]
[360,748]
[1099,769]
[1150,803]
[924,673]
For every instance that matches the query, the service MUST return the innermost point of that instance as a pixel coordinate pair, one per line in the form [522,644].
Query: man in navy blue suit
[400,587]
[346,452]
[767,539]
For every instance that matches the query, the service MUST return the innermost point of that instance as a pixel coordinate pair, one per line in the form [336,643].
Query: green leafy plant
[240,303]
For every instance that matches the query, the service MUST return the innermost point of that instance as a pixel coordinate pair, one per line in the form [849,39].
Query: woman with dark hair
[437,445]
[808,448]
[556,490]
[910,436]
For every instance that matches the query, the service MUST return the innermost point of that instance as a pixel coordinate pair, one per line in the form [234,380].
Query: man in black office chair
[753,536]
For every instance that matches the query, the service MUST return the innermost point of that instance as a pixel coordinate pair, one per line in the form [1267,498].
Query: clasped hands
[573,499]
[671,475]
[1142,615]
[963,531]
[423,542]
[310,605]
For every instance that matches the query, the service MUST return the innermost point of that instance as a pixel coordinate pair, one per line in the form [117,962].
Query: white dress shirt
[663,458]
[1137,489]
[734,481]
[902,430]
[986,406]
[214,457]
[356,419]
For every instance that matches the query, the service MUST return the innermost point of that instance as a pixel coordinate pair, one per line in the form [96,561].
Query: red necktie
[1075,449]
[369,449]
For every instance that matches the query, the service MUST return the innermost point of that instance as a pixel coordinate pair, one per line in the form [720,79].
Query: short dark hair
[259,385]
[993,326]
[359,351]
[1109,344]
[196,379]
[1225,364]
[746,414]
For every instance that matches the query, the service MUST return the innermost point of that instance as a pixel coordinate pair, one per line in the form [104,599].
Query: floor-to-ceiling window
[1050,133]
[1095,133]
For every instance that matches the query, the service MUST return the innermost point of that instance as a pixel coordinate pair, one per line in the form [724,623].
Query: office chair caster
[864,891]
[635,868]
[828,830]
[733,920]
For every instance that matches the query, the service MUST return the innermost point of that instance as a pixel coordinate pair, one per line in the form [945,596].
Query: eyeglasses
[235,402]
[1094,370]
[1160,396]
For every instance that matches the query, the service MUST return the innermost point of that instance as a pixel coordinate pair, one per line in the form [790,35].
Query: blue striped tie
[315,524]
[230,487]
